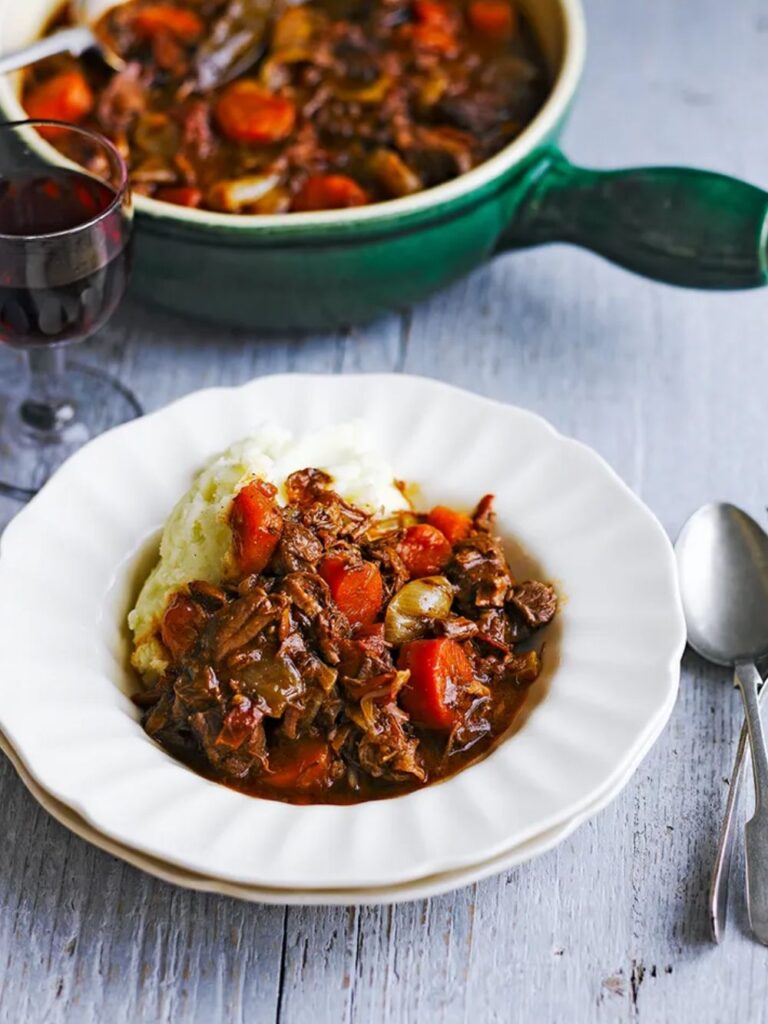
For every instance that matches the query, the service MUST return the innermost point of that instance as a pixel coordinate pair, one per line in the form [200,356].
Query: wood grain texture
[669,387]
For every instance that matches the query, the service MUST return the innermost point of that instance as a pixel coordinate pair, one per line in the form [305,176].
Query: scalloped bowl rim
[379,843]
[418,889]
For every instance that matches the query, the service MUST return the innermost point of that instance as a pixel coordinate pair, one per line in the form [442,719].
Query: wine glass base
[27,459]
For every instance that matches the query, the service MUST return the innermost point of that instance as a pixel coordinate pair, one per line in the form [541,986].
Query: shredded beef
[280,685]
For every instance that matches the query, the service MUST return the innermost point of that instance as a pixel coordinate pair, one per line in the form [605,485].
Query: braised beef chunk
[458,628]
[299,549]
[480,573]
[297,683]
[346,104]
[536,601]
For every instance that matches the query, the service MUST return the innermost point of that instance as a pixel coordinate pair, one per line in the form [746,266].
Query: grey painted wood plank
[667,385]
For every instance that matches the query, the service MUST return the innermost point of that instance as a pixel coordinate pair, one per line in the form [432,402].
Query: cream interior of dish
[196,541]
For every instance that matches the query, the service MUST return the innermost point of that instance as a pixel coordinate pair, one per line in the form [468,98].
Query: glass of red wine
[65,249]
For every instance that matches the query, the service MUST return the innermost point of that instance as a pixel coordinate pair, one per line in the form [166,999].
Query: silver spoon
[722,556]
[236,41]
[75,40]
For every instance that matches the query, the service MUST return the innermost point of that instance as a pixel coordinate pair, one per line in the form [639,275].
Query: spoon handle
[69,40]
[756,832]
[721,869]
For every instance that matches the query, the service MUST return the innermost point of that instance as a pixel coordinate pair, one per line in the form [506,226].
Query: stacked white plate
[70,564]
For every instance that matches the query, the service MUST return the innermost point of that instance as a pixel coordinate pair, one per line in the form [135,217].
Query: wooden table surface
[668,386]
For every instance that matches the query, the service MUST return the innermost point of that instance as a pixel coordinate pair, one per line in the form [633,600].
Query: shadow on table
[144,314]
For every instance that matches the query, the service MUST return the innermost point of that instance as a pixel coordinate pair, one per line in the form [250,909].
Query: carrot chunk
[256,524]
[247,112]
[357,590]
[452,525]
[64,97]
[434,14]
[304,764]
[439,670]
[435,27]
[428,37]
[183,195]
[165,18]
[424,549]
[493,18]
[329,192]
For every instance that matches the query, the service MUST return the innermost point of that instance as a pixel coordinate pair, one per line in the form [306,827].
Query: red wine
[64,258]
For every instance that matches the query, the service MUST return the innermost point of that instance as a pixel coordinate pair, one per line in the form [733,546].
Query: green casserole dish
[319,270]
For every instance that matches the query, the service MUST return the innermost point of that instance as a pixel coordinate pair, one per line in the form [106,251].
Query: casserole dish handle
[686,227]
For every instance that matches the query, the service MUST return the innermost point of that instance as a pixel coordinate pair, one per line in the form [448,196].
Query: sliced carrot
[453,525]
[435,27]
[329,192]
[357,589]
[256,524]
[247,112]
[435,14]
[64,97]
[431,37]
[301,764]
[165,18]
[183,195]
[493,18]
[439,670]
[424,549]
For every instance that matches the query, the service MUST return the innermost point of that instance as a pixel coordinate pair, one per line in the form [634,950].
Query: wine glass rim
[120,191]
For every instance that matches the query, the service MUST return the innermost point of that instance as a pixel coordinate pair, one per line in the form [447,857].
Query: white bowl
[68,572]
[432,885]
[421,888]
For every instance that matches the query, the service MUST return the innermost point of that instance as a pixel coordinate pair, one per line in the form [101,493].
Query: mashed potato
[197,539]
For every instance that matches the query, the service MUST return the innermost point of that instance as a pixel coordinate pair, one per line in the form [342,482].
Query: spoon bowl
[722,555]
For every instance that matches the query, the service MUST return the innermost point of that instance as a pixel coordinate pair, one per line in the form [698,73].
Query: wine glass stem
[46,412]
